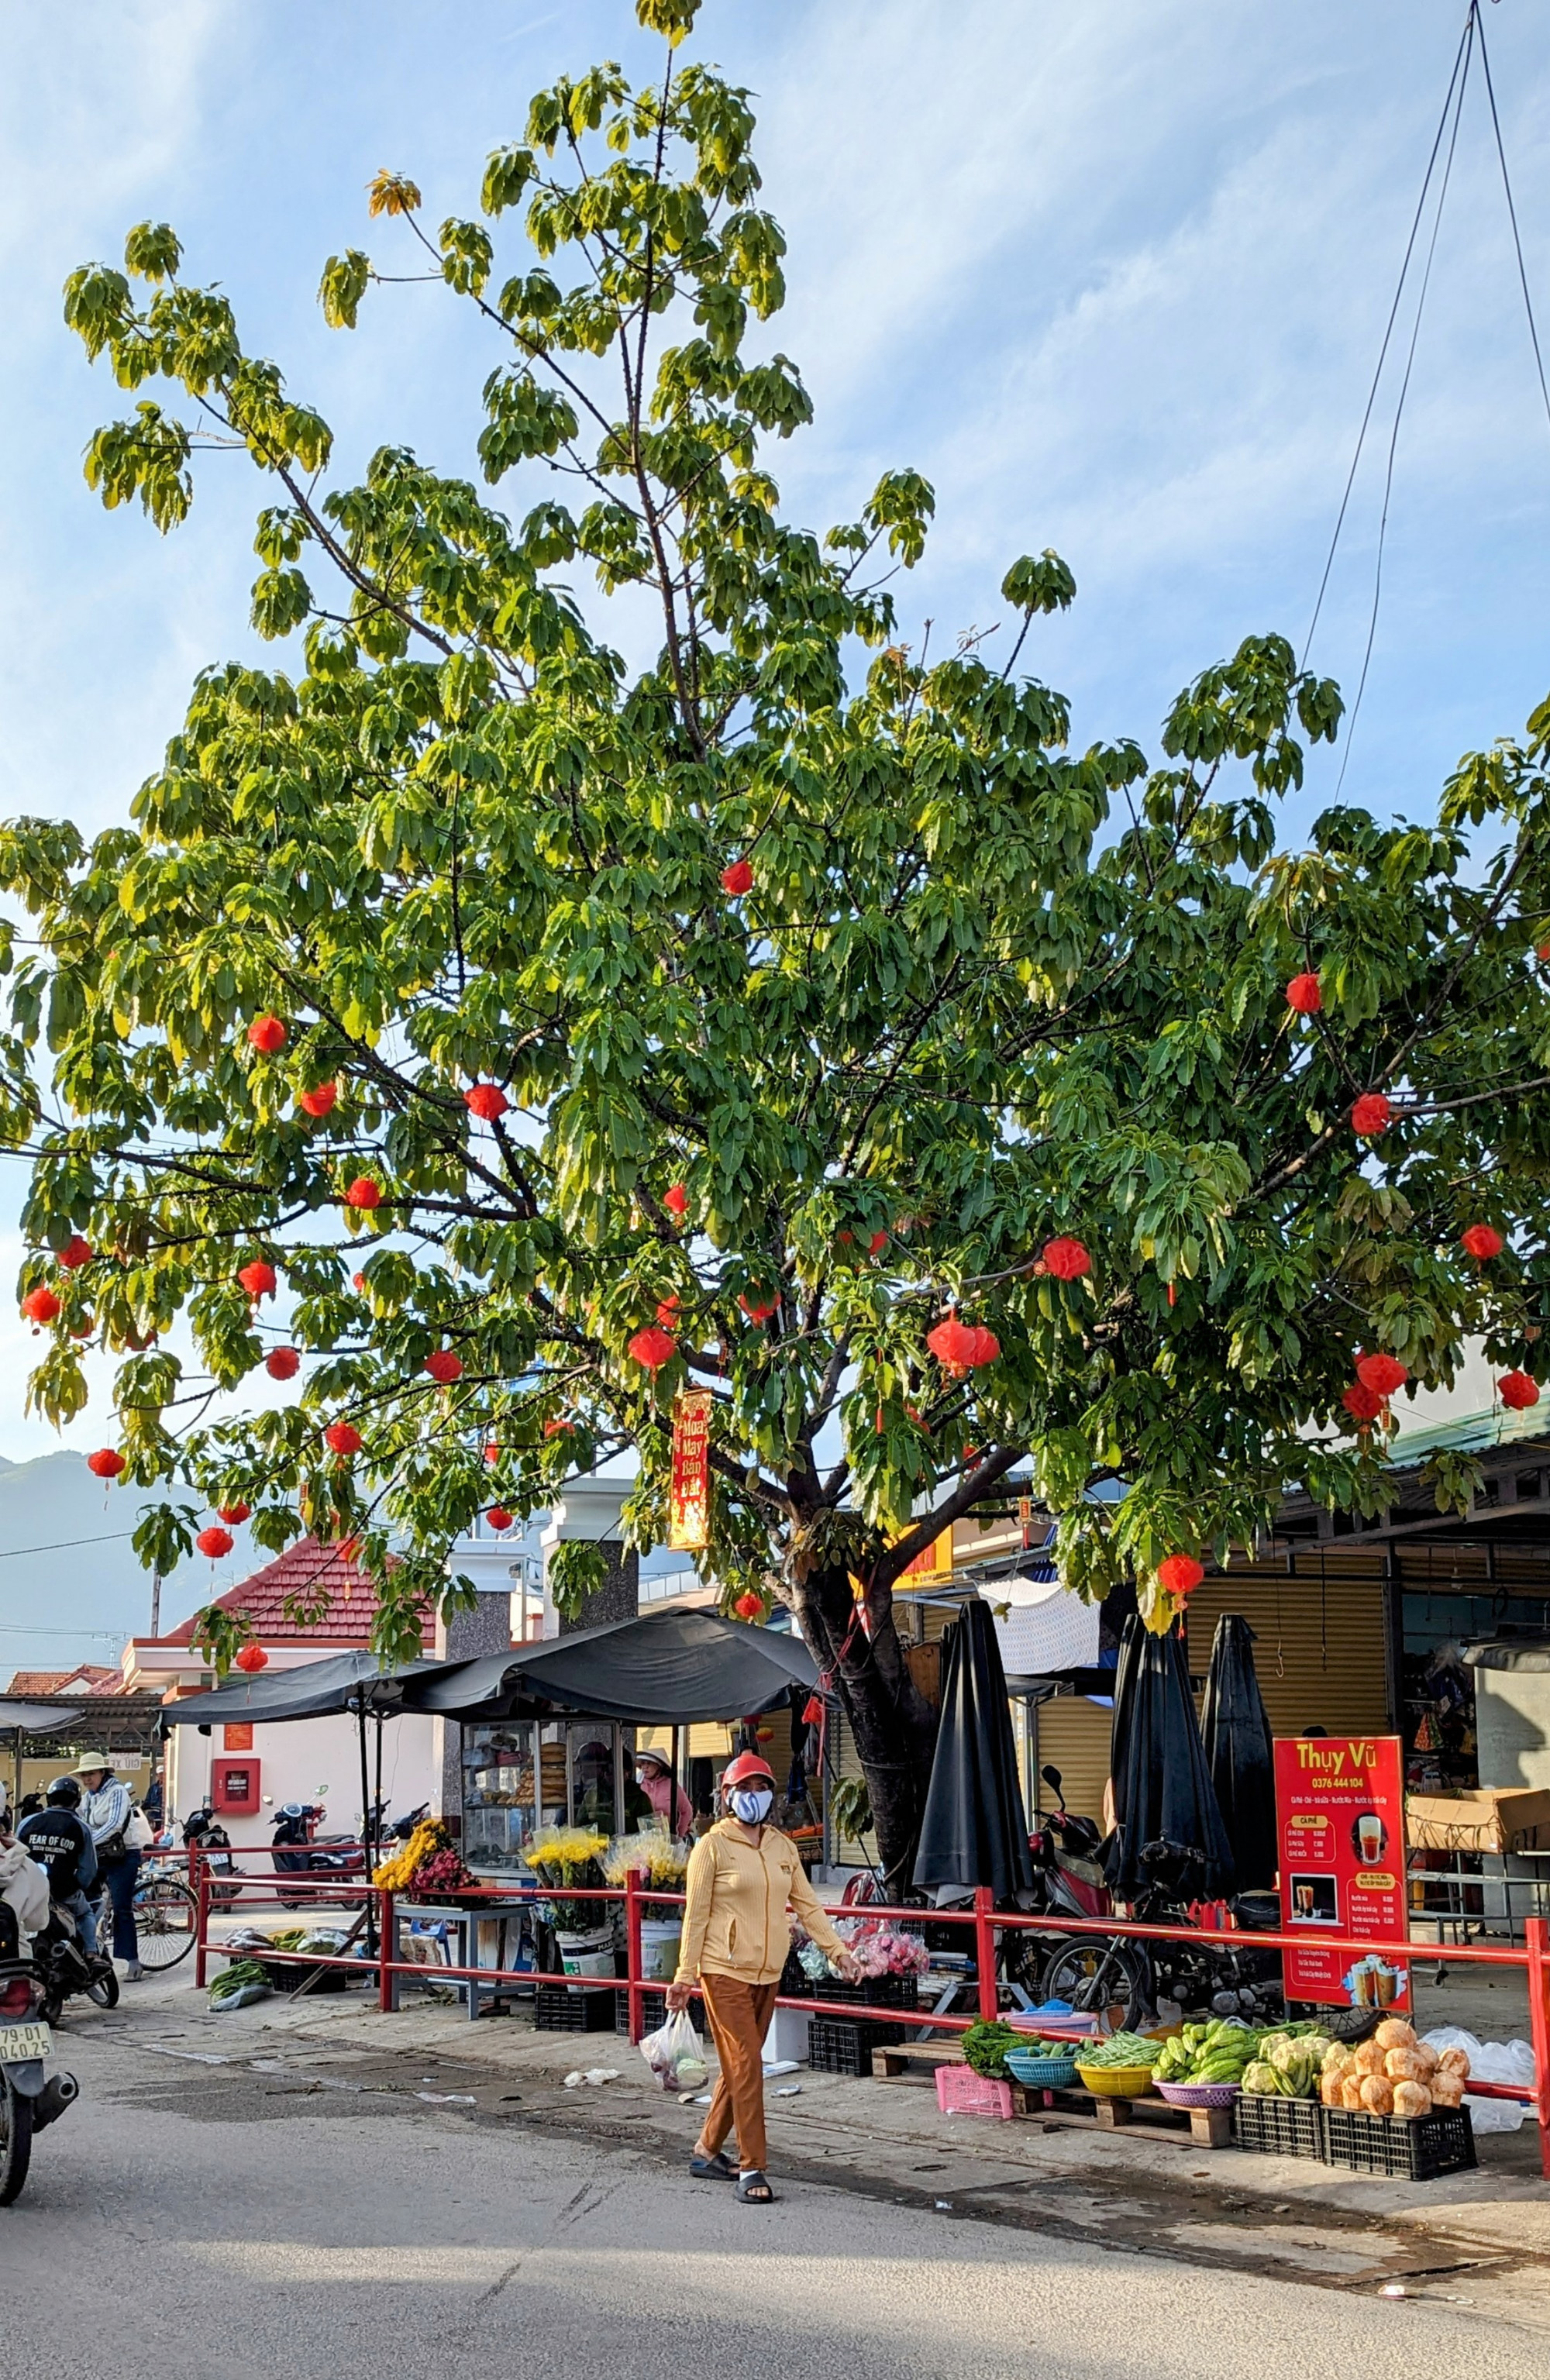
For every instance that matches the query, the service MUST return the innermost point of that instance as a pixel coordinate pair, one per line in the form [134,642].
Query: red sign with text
[1340,1830]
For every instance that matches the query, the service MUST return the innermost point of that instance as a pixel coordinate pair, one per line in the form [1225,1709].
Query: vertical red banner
[689,1494]
[1341,1828]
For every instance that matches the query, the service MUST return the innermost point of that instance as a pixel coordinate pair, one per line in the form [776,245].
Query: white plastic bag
[1490,2062]
[676,2055]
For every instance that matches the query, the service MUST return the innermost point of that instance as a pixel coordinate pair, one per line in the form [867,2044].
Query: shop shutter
[1320,1657]
[1072,1734]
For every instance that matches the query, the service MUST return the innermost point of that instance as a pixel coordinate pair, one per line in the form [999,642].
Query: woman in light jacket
[736,1935]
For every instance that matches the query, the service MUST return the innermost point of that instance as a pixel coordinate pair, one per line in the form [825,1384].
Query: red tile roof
[312,1575]
[86,1678]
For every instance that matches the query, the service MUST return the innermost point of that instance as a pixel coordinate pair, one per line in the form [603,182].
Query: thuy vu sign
[1340,1826]
[689,1495]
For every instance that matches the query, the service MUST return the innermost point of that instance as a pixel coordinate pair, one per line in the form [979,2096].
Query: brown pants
[739,2015]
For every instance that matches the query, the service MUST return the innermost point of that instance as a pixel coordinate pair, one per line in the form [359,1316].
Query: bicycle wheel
[1094,1975]
[15,2141]
[167,1916]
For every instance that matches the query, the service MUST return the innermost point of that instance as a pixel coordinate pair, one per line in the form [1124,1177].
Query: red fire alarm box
[234,1785]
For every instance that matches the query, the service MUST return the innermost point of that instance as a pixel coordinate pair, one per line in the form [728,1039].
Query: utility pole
[155,1603]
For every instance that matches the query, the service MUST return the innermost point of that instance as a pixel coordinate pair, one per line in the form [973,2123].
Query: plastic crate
[1277,2127]
[1421,2149]
[842,2045]
[962,2091]
[872,1991]
[555,2009]
[654,2013]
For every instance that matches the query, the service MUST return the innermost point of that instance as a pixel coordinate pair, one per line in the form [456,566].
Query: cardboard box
[1498,1819]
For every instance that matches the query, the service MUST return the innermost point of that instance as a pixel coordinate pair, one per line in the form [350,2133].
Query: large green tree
[778,994]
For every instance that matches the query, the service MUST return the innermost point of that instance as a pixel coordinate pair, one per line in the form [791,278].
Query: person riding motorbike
[58,1838]
[109,1811]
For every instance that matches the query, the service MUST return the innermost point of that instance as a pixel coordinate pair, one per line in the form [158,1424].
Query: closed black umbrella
[1238,1752]
[1162,1786]
[975,1828]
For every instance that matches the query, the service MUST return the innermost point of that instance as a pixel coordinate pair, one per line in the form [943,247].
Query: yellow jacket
[735,1899]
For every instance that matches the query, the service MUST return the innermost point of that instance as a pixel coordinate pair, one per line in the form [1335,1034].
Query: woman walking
[742,1876]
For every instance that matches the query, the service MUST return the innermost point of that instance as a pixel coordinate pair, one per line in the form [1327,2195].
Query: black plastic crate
[1422,2149]
[842,2045]
[654,2013]
[872,1991]
[558,2009]
[1278,2126]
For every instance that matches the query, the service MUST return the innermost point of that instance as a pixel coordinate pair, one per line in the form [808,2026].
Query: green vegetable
[1261,2081]
[1123,2050]
[985,2045]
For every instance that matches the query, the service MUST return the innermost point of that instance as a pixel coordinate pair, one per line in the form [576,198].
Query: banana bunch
[1218,2052]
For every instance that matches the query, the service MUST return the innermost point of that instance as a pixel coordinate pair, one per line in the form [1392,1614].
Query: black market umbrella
[344,1682]
[666,1669]
[1236,1732]
[1162,1786]
[975,1829]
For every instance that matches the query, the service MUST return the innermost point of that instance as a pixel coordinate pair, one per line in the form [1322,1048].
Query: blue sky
[1112,276]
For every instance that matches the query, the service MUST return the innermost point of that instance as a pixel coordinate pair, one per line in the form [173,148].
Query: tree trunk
[895,1728]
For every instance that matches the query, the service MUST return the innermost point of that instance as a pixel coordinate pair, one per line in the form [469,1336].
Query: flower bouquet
[653,1854]
[569,1859]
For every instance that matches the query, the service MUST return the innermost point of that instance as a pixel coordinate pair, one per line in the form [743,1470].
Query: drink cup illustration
[1369,1838]
[1304,1901]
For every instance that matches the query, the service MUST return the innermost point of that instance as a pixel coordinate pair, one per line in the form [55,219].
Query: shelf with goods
[500,1812]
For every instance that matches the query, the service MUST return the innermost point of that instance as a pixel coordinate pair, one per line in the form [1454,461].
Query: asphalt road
[184,2224]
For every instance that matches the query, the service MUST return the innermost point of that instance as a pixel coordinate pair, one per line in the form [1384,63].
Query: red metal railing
[984,1921]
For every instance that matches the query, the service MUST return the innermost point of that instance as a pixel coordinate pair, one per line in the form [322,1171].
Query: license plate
[25,2041]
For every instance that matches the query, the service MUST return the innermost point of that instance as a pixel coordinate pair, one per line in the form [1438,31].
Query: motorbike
[203,1832]
[31,2099]
[301,1851]
[1130,1973]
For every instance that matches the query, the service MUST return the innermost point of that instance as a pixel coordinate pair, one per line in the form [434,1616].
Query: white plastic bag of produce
[676,2055]
[1490,2062]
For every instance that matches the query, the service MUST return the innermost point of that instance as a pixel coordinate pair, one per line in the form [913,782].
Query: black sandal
[753,2190]
[714,2168]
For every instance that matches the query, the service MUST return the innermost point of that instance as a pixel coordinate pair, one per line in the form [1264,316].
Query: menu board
[1341,1828]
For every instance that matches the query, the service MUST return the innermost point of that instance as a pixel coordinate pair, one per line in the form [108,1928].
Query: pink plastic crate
[962,2091]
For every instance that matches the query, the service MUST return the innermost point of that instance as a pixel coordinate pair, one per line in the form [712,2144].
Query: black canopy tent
[1239,1754]
[974,1827]
[19,1719]
[1162,1785]
[666,1669]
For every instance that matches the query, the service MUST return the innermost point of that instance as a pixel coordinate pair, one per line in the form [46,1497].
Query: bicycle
[166,1919]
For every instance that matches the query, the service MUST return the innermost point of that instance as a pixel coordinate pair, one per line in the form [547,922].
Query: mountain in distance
[71,1586]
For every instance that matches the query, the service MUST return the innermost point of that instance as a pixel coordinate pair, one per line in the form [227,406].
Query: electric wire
[1512,212]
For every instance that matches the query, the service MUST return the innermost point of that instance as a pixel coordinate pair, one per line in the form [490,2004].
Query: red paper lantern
[486,1100]
[1482,1241]
[1519,1389]
[267,1033]
[258,1279]
[1067,1259]
[749,1606]
[106,1463]
[675,1198]
[1382,1374]
[281,1364]
[214,1542]
[493,1452]
[667,1313]
[738,878]
[812,1711]
[39,1306]
[318,1101]
[1362,1403]
[233,1514]
[876,1244]
[343,1437]
[652,1349]
[443,1365]
[961,1347]
[1179,1573]
[364,1194]
[75,1252]
[252,1659]
[358,1279]
[498,1517]
[554,1428]
[1304,995]
[758,1308]
[1371,1114]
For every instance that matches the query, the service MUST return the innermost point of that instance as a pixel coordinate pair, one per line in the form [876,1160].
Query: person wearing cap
[742,1876]
[108,1809]
[667,1799]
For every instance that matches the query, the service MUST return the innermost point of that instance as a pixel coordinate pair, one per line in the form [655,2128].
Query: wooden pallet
[1208,2128]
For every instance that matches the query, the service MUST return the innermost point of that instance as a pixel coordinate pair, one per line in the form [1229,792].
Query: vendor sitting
[668,1800]
[594,1793]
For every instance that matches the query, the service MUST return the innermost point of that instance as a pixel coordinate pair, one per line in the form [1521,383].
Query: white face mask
[752,1804]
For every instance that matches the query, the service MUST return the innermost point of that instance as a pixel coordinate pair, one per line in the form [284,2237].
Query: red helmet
[745,1769]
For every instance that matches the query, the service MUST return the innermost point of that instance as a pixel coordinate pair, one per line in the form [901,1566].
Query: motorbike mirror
[1051,1777]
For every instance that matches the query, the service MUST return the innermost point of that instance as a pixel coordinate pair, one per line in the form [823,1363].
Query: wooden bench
[1208,2128]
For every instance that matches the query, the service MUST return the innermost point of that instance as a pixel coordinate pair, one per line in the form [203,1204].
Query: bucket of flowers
[568,1859]
[664,1862]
